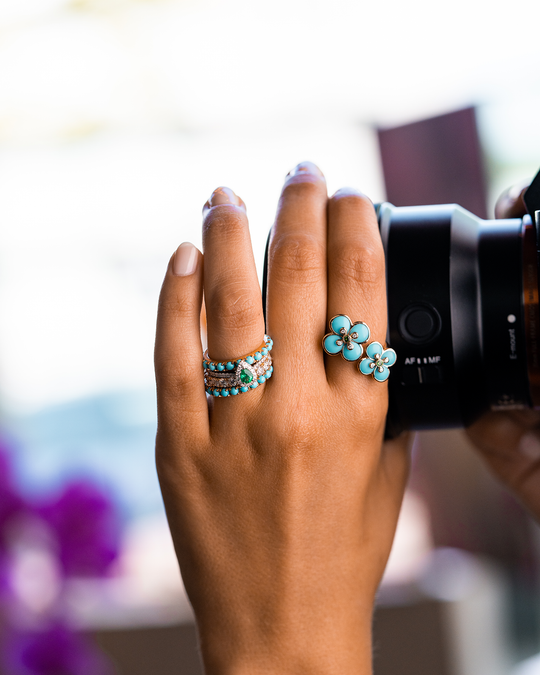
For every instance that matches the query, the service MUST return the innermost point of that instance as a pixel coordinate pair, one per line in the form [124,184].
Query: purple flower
[87,526]
[54,651]
[12,505]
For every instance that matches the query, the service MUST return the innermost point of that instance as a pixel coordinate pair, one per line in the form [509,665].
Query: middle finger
[296,302]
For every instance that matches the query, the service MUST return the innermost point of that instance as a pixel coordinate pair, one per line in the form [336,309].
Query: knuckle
[181,308]
[177,378]
[294,431]
[235,306]
[298,255]
[363,264]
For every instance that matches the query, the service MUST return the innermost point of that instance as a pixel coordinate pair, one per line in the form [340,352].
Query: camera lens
[462,315]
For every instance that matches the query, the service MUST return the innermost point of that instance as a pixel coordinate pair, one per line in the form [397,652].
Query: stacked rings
[237,376]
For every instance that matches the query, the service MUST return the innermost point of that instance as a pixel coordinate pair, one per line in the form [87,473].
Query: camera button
[419,324]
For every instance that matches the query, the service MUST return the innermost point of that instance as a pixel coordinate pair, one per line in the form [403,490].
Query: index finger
[510,204]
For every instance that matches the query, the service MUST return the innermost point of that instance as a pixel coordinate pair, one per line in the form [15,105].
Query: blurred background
[117,120]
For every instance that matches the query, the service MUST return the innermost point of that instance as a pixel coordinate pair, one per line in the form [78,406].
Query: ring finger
[356,280]
[232,294]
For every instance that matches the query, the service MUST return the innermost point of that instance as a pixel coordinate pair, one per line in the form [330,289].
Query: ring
[346,337]
[377,361]
[224,378]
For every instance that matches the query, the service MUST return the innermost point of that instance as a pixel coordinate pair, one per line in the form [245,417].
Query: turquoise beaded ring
[346,338]
[237,376]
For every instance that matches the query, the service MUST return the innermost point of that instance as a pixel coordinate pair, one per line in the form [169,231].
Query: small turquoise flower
[377,361]
[346,338]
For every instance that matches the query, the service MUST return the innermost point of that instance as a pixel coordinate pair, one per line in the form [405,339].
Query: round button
[419,323]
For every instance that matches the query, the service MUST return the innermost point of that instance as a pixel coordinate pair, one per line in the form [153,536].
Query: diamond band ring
[237,376]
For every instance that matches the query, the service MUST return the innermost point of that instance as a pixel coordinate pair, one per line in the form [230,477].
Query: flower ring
[377,361]
[346,338]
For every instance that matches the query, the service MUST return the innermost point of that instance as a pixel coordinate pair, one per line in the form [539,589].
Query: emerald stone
[246,376]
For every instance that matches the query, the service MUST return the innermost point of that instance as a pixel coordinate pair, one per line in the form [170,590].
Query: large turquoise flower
[346,338]
[377,361]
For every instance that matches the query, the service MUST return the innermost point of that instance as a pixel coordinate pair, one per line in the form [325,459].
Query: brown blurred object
[159,650]
[469,509]
[435,161]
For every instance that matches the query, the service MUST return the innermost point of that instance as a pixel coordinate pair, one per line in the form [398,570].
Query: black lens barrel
[455,315]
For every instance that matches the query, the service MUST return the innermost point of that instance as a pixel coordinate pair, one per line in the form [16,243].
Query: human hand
[510,441]
[282,501]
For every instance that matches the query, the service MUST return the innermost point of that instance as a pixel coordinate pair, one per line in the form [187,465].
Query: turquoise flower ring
[353,352]
[332,344]
[377,361]
[237,376]
[361,331]
[346,338]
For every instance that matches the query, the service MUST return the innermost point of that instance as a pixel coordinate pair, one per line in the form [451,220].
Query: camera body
[463,313]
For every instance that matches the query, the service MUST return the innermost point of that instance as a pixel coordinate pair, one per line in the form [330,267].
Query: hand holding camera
[281,494]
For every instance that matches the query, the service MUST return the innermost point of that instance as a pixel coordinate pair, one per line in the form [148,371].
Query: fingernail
[518,190]
[529,445]
[305,167]
[185,260]
[222,195]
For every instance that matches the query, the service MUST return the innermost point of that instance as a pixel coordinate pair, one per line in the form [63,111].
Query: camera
[463,313]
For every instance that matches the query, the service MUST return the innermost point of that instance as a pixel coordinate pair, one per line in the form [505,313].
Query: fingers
[235,320]
[296,302]
[510,444]
[510,204]
[178,349]
[231,287]
[356,275]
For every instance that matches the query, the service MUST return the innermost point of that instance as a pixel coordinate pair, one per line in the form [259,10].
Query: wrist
[299,649]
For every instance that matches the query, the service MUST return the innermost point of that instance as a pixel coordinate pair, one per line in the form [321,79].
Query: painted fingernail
[529,445]
[305,167]
[185,260]
[222,195]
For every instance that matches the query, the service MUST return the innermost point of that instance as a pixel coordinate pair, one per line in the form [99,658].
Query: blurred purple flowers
[87,529]
[55,651]
[75,533]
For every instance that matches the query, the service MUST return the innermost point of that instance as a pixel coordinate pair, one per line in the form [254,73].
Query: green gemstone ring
[237,376]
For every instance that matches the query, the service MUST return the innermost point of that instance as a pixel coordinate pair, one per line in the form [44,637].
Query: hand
[510,441]
[282,501]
